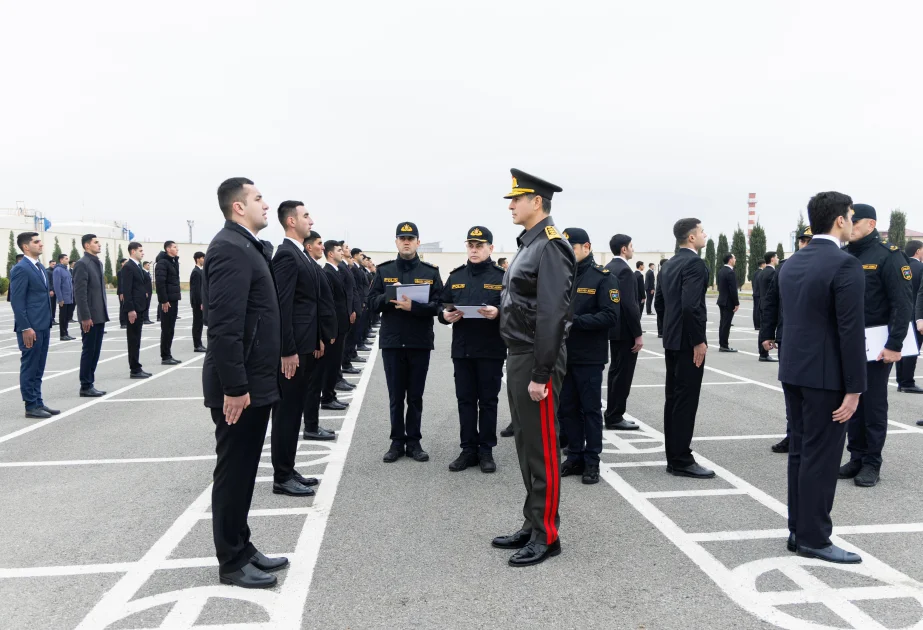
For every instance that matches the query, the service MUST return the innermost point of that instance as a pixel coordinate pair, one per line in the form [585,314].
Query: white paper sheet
[471,312]
[416,292]
[877,336]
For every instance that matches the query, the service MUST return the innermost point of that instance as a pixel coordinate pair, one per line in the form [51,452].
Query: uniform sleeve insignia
[551,233]
[586,291]
[458,286]
[386,280]
[894,248]
[422,281]
[494,287]
[429,264]
[614,295]
[907,274]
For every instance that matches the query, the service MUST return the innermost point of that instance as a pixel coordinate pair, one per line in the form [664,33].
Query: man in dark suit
[684,283]
[123,323]
[195,301]
[352,308]
[314,248]
[761,284]
[363,284]
[625,339]
[240,376]
[650,287]
[307,318]
[756,295]
[31,322]
[63,283]
[822,291]
[49,273]
[149,288]
[92,311]
[658,300]
[639,279]
[168,296]
[908,365]
[728,302]
[333,253]
[134,300]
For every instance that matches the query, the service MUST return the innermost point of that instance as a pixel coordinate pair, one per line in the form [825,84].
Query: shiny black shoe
[358,359]
[830,554]
[867,477]
[292,488]
[141,374]
[781,447]
[122,327]
[38,414]
[92,392]
[53,412]
[572,467]
[201,349]
[590,474]
[487,463]
[508,431]
[248,576]
[321,435]
[343,386]
[305,481]
[352,370]
[850,469]
[148,322]
[417,453]
[768,360]
[170,361]
[264,563]
[394,453]
[363,348]
[693,470]
[728,349]
[913,389]
[535,553]
[514,541]
[792,544]
[618,423]
[463,461]
[920,423]
[335,405]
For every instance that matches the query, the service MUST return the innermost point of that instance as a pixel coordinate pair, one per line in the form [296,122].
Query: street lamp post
[190,223]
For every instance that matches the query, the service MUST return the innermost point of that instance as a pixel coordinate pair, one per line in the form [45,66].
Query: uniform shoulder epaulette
[387,262]
[499,268]
[887,245]
[600,269]
[551,233]
[429,264]
[459,268]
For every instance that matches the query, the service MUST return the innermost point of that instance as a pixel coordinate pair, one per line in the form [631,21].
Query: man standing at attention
[535,316]
[135,298]
[639,279]
[761,284]
[64,293]
[650,287]
[907,365]
[728,302]
[195,301]
[168,296]
[625,339]
[90,298]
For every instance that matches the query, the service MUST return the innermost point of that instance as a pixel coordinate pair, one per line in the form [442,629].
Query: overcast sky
[373,113]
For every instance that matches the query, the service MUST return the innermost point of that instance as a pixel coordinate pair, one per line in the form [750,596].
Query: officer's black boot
[508,431]
[591,474]
[486,462]
[463,461]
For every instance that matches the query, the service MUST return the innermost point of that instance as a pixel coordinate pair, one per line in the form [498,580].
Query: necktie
[41,271]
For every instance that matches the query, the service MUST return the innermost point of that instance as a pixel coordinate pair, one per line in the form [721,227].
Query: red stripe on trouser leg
[555,479]
[546,438]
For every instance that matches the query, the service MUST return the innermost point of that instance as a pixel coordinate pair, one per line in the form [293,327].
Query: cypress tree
[739,249]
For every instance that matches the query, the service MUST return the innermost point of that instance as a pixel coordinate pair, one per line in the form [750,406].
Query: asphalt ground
[104,517]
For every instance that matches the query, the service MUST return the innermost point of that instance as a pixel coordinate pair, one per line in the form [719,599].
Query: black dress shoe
[920,423]
[867,477]
[248,576]
[122,327]
[53,412]
[769,360]
[791,545]
[141,374]
[305,481]
[352,370]
[321,435]
[514,541]
[693,470]
[343,386]
[358,359]
[363,348]
[54,323]
[263,563]
[508,431]
[534,553]
[463,461]
[590,474]
[170,361]
[292,488]
[781,447]
[621,424]
[67,338]
[572,467]
[417,453]
[148,322]
[92,392]
[728,349]
[336,405]
[394,453]
[201,349]
[37,413]
[487,463]
[850,469]
[830,554]
[913,389]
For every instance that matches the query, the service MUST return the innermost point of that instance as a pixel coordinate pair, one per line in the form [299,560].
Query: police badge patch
[907,274]
[614,295]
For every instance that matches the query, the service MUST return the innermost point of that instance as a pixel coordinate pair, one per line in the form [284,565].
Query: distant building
[430,248]
[910,234]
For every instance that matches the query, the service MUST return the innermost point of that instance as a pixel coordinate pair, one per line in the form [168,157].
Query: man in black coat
[49,273]
[168,296]
[240,376]
[149,287]
[685,281]
[639,279]
[728,302]
[650,287]
[761,284]
[195,301]
[908,365]
[342,301]
[658,300]
[134,299]
[756,295]
[353,308]
[123,322]
[363,283]
[625,339]
[822,291]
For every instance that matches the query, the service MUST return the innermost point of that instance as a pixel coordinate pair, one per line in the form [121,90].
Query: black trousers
[660,323]
[167,327]
[683,386]
[89,356]
[580,412]
[641,304]
[813,462]
[332,367]
[622,362]
[908,365]
[197,327]
[239,447]
[756,312]
[405,373]
[312,391]
[868,427]
[67,311]
[134,343]
[650,302]
[54,306]
[477,388]
[724,326]
[286,418]
[123,316]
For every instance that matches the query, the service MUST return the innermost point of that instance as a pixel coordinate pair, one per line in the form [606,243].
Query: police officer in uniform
[478,350]
[888,297]
[406,339]
[596,310]
[535,317]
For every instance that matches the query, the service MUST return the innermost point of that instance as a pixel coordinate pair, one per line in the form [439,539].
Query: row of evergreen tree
[57,251]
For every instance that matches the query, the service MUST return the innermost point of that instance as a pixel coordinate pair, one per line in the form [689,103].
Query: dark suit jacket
[649,282]
[763,280]
[771,312]
[822,289]
[90,290]
[683,285]
[630,316]
[148,286]
[195,288]
[363,283]
[754,283]
[727,288]
[29,297]
[305,301]
[349,285]
[132,287]
[341,300]
[639,278]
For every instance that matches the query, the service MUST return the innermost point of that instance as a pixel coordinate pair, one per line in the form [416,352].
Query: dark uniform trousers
[660,323]
[683,386]
[197,326]
[580,412]
[536,433]
[756,312]
[405,373]
[312,392]
[332,369]
[815,449]
[167,327]
[622,364]
[67,312]
[868,427]
[54,303]
[134,342]
[239,447]
[908,365]
[89,355]
[286,418]
[724,326]
[477,387]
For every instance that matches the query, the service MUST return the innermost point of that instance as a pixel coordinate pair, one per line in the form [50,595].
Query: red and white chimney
[751,213]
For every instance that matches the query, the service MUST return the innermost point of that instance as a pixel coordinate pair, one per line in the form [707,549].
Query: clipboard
[877,336]
[416,292]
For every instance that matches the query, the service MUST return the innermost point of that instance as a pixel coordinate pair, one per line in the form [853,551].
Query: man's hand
[639,343]
[538,391]
[121,297]
[847,409]
[132,316]
[920,326]
[86,325]
[352,317]
[234,406]
[736,307]
[201,307]
[28,337]
[698,354]
[289,365]
[61,304]
[889,356]
[452,316]
[489,312]
[320,351]
[51,293]
[768,345]
[403,304]
[165,307]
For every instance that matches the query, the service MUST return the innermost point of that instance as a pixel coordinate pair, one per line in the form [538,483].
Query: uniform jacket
[821,288]
[473,285]
[63,283]
[649,284]
[683,285]
[771,311]
[727,288]
[90,290]
[148,285]
[362,281]
[754,283]
[305,301]
[341,301]
[658,293]
[639,278]
[761,284]
[349,283]
[195,288]
[888,286]
[597,304]
[242,311]
[49,275]
[29,297]
[402,329]
[629,325]
[166,276]
[536,307]
[133,288]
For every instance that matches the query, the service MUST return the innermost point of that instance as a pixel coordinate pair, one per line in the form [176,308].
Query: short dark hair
[617,242]
[331,245]
[86,238]
[287,209]
[198,255]
[912,247]
[166,244]
[229,192]
[546,203]
[683,228]
[25,238]
[768,256]
[354,251]
[639,264]
[313,236]
[726,258]
[122,261]
[61,257]
[650,264]
[133,246]
[20,257]
[146,262]
[500,261]
[824,208]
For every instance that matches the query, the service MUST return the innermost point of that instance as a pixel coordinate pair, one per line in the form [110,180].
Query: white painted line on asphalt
[268,512]
[676,494]
[125,400]
[635,464]
[95,462]
[712,383]
[768,436]
[845,530]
